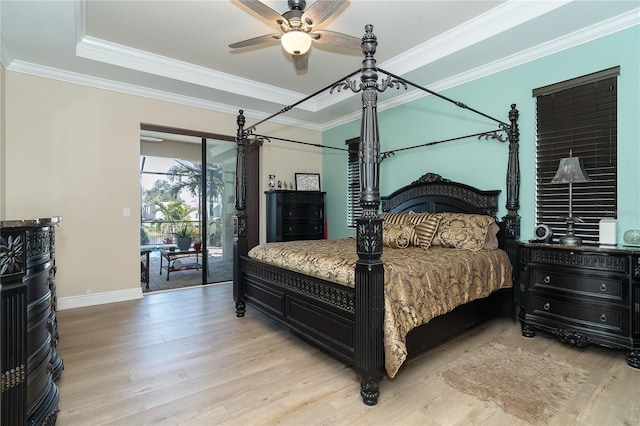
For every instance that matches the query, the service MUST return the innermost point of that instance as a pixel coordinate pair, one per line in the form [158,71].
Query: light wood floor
[183,358]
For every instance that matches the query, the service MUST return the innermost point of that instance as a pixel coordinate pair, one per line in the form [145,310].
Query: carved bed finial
[430,178]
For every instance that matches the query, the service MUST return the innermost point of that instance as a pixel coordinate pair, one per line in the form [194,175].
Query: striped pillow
[425,230]
[394,218]
[426,225]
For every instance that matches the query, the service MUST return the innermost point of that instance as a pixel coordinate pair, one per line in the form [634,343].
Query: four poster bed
[446,263]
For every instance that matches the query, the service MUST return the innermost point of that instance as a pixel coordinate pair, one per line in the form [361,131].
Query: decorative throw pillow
[397,235]
[425,225]
[462,231]
[395,218]
[425,230]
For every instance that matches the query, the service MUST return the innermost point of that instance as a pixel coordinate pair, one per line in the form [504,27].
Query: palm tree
[188,175]
[175,211]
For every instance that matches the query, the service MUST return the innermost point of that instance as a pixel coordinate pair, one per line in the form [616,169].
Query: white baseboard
[98,298]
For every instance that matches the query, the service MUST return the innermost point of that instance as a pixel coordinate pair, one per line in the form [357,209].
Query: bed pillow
[425,225]
[425,230]
[397,235]
[462,231]
[394,218]
[491,241]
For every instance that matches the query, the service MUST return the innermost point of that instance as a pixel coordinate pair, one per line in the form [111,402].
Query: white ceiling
[178,50]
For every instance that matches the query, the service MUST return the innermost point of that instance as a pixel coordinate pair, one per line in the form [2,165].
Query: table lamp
[571,170]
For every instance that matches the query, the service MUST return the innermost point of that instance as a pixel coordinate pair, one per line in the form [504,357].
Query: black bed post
[240,244]
[512,219]
[369,274]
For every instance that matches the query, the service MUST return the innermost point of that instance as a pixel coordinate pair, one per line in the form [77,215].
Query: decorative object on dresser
[607,231]
[542,234]
[582,295]
[632,237]
[307,182]
[29,358]
[571,170]
[295,215]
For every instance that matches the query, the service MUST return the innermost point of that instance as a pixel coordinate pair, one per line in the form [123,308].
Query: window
[354,210]
[577,116]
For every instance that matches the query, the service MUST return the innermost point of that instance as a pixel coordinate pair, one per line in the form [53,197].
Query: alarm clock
[542,234]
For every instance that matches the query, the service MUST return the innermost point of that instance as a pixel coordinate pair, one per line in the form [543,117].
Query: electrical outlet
[126,212]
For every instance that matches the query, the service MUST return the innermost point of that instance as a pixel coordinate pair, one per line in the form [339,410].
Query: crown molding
[130,89]
[399,65]
[150,63]
[491,23]
[602,29]
[96,49]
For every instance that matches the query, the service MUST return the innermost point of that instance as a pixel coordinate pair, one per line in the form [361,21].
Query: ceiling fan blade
[301,62]
[336,39]
[319,11]
[262,10]
[267,38]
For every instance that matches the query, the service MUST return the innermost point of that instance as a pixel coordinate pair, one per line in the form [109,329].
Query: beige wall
[73,151]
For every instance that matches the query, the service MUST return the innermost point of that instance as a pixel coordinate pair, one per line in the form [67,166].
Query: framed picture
[307,181]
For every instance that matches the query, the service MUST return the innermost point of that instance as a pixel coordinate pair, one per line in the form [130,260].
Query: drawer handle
[547,279]
[546,306]
[603,318]
[603,287]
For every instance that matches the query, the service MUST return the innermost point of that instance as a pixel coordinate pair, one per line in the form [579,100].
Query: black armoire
[29,359]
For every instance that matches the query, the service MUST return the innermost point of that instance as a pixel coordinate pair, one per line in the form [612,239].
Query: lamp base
[570,240]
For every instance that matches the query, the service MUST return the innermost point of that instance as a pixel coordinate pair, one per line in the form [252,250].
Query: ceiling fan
[298,28]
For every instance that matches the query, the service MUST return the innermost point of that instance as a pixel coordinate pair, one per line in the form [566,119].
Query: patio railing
[158,233]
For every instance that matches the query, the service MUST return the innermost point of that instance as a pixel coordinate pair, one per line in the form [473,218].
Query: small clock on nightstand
[542,234]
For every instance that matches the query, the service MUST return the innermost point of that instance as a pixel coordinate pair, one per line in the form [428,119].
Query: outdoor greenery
[186,231]
[165,196]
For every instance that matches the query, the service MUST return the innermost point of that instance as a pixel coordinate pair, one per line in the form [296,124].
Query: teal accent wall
[484,163]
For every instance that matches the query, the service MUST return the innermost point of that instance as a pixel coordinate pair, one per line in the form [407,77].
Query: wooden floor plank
[183,358]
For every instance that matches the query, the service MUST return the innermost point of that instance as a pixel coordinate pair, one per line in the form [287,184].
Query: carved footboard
[317,310]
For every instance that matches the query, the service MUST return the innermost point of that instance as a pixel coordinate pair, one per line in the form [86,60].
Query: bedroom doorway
[193,194]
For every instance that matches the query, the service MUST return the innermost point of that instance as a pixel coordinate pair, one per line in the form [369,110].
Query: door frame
[252,158]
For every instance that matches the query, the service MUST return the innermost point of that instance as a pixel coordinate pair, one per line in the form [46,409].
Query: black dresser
[295,215]
[29,359]
[582,295]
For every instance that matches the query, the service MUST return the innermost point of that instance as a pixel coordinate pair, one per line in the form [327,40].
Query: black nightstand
[582,295]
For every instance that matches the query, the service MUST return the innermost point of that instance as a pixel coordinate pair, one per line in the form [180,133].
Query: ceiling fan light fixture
[296,42]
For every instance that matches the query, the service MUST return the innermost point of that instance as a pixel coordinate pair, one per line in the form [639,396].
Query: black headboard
[432,193]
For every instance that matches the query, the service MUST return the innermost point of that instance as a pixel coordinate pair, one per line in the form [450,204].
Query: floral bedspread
[419,284]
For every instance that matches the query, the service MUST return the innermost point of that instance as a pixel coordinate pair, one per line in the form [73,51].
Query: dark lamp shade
[570,170]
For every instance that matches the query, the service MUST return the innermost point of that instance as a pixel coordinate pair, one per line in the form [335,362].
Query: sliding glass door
[218,207]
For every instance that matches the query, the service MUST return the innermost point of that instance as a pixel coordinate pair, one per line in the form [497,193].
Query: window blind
[354,210]
[578,117]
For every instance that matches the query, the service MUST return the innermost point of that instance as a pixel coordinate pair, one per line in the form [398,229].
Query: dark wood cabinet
[29,358]
[582,295]
[295,215]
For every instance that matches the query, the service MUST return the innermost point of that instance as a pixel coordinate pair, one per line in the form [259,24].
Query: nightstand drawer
[610,287]
[612,318]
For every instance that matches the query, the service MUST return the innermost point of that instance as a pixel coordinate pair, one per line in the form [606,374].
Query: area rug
[532,387]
